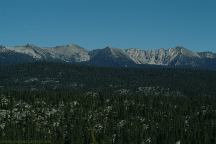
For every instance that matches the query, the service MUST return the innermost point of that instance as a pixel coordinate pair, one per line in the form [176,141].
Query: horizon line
[108,46]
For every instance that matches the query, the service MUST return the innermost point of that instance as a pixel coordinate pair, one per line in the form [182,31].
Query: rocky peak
[70,53]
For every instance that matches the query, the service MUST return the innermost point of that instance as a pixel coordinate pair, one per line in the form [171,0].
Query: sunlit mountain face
[108,56]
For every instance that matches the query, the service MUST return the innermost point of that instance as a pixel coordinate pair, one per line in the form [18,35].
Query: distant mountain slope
[69,53]
[161,56]
[209,55]
[8,56]
[139,56]
[110,57]
[33,51]
[178,56]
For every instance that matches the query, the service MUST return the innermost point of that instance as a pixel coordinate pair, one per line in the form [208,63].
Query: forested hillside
[44,76]
[62,103]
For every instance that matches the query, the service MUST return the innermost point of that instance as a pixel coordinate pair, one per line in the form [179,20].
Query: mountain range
[178,56]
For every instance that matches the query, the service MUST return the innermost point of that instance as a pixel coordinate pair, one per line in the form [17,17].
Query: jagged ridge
[178,56]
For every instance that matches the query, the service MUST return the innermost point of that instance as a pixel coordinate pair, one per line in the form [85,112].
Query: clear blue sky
[117,23]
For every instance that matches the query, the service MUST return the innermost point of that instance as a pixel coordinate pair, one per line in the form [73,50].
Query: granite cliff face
[172,56]
[178,56]
[158,57]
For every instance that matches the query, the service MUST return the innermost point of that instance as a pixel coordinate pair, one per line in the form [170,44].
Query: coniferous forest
[75,104]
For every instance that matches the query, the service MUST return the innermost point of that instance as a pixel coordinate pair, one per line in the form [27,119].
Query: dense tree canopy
[69,104]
